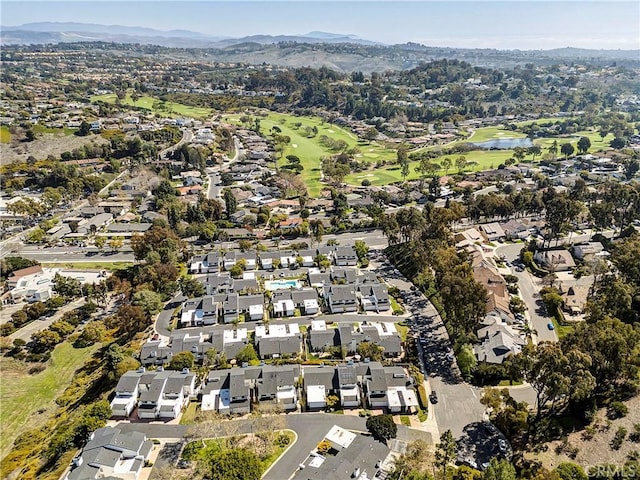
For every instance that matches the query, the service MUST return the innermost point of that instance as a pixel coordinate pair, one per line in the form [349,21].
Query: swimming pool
[280,284]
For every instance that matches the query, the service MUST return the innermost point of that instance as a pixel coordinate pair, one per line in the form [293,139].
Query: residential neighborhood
[312,256]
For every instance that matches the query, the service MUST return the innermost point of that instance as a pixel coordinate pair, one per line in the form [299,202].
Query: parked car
[433,397]
[550,326]
[502,445]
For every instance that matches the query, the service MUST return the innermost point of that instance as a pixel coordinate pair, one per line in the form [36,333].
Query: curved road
[310,428]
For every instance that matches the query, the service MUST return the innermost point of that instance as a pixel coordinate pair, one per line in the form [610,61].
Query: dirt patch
[44,145]
[596,449]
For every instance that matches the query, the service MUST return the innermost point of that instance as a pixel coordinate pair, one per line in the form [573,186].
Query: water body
[504,143]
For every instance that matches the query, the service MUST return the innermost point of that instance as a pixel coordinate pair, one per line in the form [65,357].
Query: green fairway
[477,160]
[27,400]
[5,135]
[310,149]
[170,109]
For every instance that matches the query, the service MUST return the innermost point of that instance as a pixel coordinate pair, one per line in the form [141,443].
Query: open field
[90,265]
[170,109]
[42,129]
[5,135]
[27,400]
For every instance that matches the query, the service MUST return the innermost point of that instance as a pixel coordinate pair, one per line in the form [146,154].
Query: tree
[45,340]
[84,129]
[467,360]
[115,244]
[584,144]
[362,249]
[567,150]
[499,470]
[571,471]
[93,332]
[461,163]
[534,151]
[445,451]
[618,143]
[247,354]
[370,134]
[446,164]
[553,149]
[370,350]
[317,230]
[67,287]
[181,361]
[100,242]
[402,158]
[631,167]
[230,202]
[149,301]
[190,287]
[235,464]
[382,427]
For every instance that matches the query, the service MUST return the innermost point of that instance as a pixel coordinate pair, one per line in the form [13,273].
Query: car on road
[519,268]
[550,326]
[433,397]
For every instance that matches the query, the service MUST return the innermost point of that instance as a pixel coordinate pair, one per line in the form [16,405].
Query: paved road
[187,136]
[73,255]
[459,403]
[529,288]
[25,332]
[309,427]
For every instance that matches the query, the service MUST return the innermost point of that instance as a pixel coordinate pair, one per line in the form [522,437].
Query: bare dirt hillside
[44,145]
[595,447]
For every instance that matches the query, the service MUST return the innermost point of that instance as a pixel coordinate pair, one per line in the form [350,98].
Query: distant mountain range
[341,52]
[53,32]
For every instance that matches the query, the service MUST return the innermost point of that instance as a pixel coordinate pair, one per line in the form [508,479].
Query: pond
[504,143]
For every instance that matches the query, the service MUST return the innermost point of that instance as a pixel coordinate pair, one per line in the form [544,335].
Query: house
[584,250]
[383,334]
[109,453]
[155,352]
[554,260]
[498,341]
[239,395]
[348,386]
[273,341]
[575,294]
[345,256]
[492,231]
[269,260]
[248,259]
[319,279]
[278,384]
[200,311]
[282,302]
[318,383]
[321,338]
[499,306]
[340,298]
[159,394]
[308,257]
[209,263]
[343,276]
[374,297]
[514,229]
[470,236]
[251,306]
[126,395]
[389,388]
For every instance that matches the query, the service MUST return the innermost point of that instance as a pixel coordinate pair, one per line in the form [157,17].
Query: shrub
[618,438]
[617,410]
[382,427]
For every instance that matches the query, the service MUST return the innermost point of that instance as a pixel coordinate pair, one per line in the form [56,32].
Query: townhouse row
[275,341]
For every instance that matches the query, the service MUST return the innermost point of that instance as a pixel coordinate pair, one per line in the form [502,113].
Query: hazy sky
[506,24]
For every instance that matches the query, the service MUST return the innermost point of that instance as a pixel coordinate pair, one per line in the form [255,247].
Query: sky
[506,24]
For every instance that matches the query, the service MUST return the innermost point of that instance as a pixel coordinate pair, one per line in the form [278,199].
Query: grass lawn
[5,135]
[171,109]
[310,150]
[562,330]
[402,330]
[405,420]
[43,129]
[189,415]
[90,265]
[508,383]
[477,160]
[27,400]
